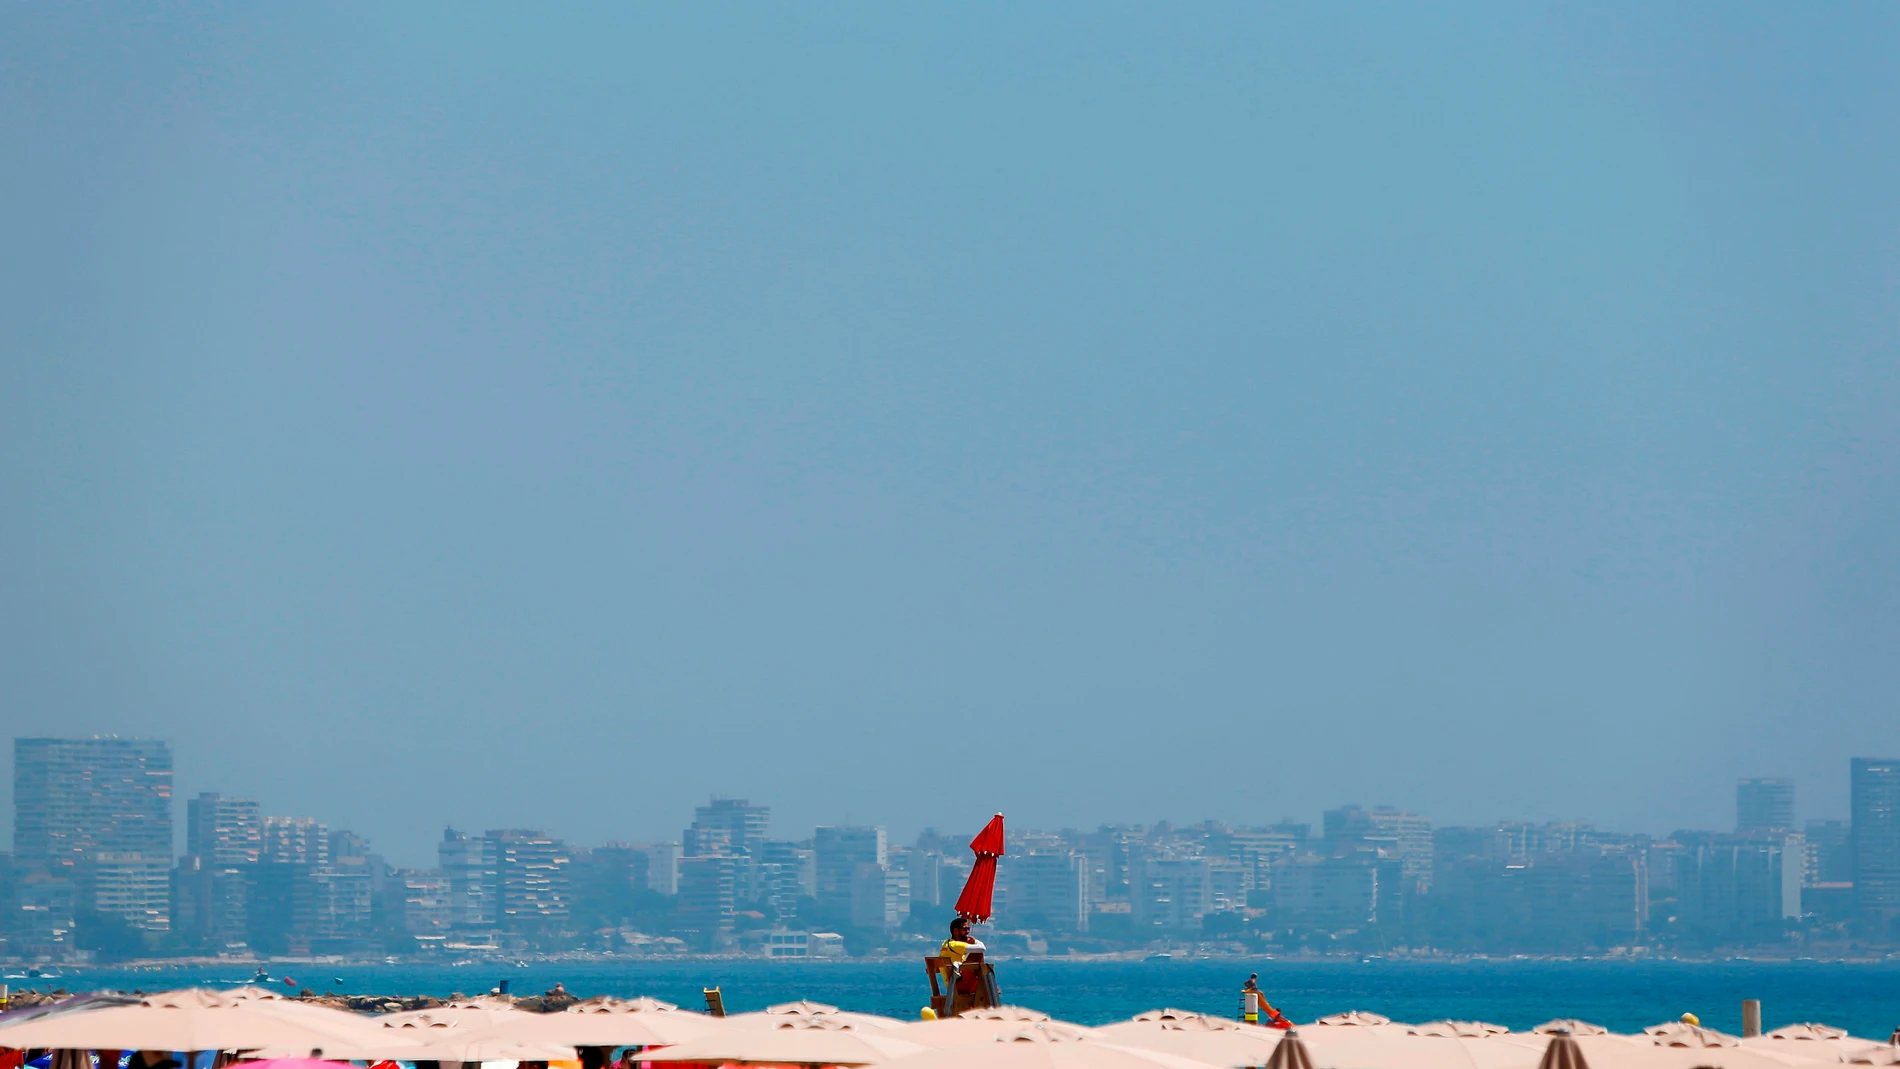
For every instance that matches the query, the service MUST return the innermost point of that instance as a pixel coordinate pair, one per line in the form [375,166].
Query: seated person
[961,943]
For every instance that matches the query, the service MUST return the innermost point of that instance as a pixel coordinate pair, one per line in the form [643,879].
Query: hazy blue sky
[550,416]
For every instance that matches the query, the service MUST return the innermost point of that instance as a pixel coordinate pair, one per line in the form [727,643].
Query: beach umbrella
[1682,1034]
[1204,1039]
[1388,1048]
[1004,1013]
[968,1031]
[193,1019]
[1353,1019]
[1458,1029]
[974,902]
[1562,1053]
[806,1010]
[1883,1054]
[1570,1026]
[610,1004]
[442,1041]
[292,1063]
[1183,1015]
[793,1041]
[1807,1031]
[1044,1047]
[1290,1053]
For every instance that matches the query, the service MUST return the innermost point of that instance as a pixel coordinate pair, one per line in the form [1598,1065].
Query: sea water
[1621,996]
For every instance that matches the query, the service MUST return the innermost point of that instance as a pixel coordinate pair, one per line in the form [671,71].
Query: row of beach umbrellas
[256,1023]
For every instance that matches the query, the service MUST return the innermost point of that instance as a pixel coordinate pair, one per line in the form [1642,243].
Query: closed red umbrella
[974,902]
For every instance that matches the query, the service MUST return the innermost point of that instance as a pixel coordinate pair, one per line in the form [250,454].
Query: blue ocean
[1625,997]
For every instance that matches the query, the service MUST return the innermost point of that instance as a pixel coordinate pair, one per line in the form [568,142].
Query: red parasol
[974,902]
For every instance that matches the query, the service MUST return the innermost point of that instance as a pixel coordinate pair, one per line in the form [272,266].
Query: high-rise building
[788,872]
[1738,887]
[836,854]
[1830,852]
[74,796]
[98,812]
[468,864]
[730,826]
[1875,800]
[707,900]
[209,903]
[1386,831]
[531,874]
[425,902]
[222,832]
[663,867]
[1170,893]
[880,896]
[1046,891]
[294,841]
[1764,805]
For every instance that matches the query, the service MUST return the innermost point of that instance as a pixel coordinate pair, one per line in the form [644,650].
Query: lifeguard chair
[955,988]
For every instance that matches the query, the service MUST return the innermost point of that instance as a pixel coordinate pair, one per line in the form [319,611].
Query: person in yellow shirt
[961,943]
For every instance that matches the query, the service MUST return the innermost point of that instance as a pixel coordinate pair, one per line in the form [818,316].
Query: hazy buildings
[1874,788]
[531,877]
[223,832]
[98,812]
[708,899]
[1385,831]
[1764,805]
[730,826]
[301,841]
[468,865]
[1046,891]
[837,851]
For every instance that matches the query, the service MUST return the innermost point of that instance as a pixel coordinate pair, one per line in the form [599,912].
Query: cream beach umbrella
[1004,1013]
[1359,1022]
[1570,1026]
[1691,1036]
[1044,1048]
[773,1016]
[967,1031]
[454,1040]
[1642,1052]
[189,1020]
[794,1041]
[1807,1044]
[1206,1039]
[628,1023]
[1458,1029]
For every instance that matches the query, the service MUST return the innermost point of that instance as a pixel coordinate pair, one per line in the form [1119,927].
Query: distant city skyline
[96,876]
[1750,797]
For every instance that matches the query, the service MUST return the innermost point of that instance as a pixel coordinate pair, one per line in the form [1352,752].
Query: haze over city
[502,418]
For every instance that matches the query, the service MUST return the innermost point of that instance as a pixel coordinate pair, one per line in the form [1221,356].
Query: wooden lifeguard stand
[955,988]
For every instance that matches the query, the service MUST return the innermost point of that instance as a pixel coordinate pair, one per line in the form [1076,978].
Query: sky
[514,416]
